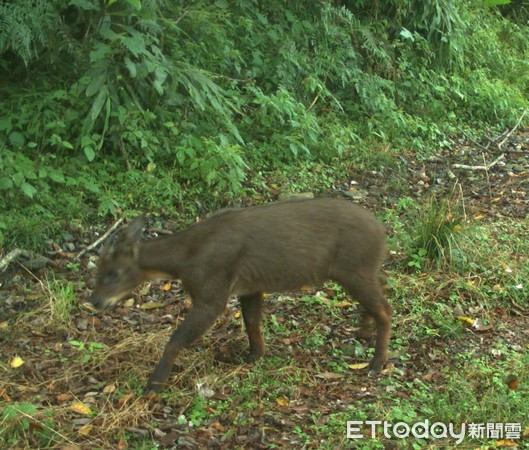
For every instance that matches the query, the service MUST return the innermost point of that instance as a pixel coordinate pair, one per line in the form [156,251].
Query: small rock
[294,195]
[356,194]
[67,237]
[37,263]
[82,324]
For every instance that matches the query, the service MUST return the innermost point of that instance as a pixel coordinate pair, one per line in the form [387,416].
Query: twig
[484,167]
[458,184]
[313,102]
[483,147]
[101,239]
[513,130]
[487,174]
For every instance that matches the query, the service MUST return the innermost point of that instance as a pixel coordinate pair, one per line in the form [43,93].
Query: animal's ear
[126,243]
[128,240]
[132,233]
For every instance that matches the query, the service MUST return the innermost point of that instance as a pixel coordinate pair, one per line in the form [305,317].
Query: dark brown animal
[246,252]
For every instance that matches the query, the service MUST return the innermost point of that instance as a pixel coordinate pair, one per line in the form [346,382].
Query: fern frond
[22,25]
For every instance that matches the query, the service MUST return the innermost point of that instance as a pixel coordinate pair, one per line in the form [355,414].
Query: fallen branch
[483,167]
[101,239]
[513,129]
[10,257]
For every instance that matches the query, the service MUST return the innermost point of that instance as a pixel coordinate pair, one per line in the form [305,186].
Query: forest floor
[73,379]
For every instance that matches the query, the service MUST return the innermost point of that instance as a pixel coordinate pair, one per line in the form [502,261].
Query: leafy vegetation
[207,94]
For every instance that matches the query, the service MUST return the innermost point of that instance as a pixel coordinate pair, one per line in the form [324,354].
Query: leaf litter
[92,391]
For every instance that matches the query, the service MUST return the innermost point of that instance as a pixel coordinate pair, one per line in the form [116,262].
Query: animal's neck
[162,258]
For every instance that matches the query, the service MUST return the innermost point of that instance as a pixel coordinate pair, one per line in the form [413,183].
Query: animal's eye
[110,277]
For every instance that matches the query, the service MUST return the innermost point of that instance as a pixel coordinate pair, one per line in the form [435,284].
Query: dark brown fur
[247,252]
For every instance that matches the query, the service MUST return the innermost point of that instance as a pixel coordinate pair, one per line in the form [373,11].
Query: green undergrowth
[163,106]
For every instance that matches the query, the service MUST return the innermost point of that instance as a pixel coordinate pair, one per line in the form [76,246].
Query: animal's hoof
[252,357]
[154,387]
[375,367]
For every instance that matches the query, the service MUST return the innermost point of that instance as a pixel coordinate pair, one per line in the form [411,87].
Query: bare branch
[101,239]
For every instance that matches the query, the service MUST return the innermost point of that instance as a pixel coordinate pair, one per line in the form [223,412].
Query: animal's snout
[99,303]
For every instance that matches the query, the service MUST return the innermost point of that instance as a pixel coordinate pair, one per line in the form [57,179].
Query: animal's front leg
[195,324]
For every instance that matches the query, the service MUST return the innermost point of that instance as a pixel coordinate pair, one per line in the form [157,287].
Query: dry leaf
[85,429]
[506,443]
[126,397]
[17,361]
[4,324]
[467,320]
[511,381]
[217,426]
[283,401]
[3,394]
[358,366]
[343,304]
[81,408]
[109,388]
[166,286]
[330,375]
[151,305]
[61,398]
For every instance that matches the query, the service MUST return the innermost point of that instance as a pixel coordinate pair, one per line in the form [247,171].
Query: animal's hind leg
[252,307]
[367,289]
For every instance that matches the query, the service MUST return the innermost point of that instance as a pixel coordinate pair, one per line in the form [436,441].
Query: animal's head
[118,271]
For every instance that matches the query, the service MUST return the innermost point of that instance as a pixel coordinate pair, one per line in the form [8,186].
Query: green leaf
[493,3]
[407,34]
[5,125]
[16,139]
[6,183]
[101,51]
[98,103]
[134,3]
[84,4]
[56,175]
[18,179]
[30,174]
[86,140]
[28,189]
[133,71]
[66,144]
[95,85]
[135,43]
[91,186]
[89,153]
